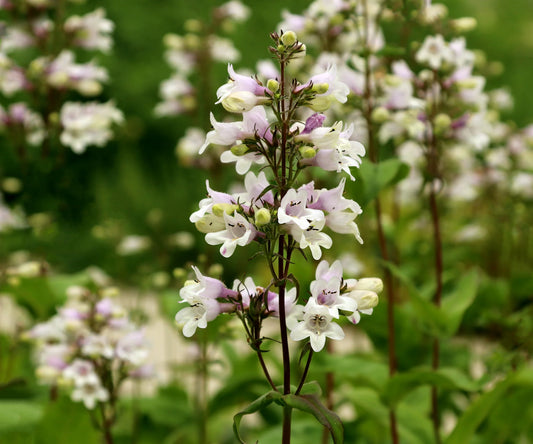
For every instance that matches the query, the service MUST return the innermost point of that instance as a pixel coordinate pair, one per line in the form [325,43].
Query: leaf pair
[308,403]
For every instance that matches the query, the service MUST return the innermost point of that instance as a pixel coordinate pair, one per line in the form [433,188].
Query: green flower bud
[380,114]
[11,185]
[273,85]
[307,152]
[193,25]
[289,38]
[179,273]
[239,150]
[262,217]
[442,122]
[464,24]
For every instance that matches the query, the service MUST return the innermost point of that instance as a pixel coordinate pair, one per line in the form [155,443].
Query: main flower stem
[283,261]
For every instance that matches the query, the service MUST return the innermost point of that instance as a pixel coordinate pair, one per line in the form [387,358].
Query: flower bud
[58,79]
[273,85]
[29,269]
[239,150]
[110,292]
[215,270]
[380,114]
[47,374]
[173,41]
[320,88]
[89,87]
[289,38]
[193,25]
[370,284]
[464,24]
[262,217]
[366,299]
[220,208]
[11,185]
[307,152]
[442,122]
[179,273]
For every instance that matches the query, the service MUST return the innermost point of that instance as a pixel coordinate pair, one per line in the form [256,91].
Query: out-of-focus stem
[368,107]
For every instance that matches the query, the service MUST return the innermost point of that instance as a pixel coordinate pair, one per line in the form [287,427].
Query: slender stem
[330,388]
[433,169]
[265,370]
[282,267]
[202,390]
[437,301]
[389,282]
[304,374]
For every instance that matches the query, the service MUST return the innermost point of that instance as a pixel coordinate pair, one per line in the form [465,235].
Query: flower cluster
[332,296]
[90,346]
[275,211]
[54,73]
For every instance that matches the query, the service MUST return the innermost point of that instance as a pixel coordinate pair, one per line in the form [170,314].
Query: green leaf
[455,305]
[477,411]
[35,294]
[432,320]
[19,415]
[447,378]
[259,404]
[377,177]
[312,404]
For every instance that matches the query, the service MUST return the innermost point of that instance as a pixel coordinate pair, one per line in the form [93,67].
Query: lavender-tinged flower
[238,232]
[228,133]
[293,210]
[241,93]
[317,325]
[335,89]
[132,348]
[312,237]
[81,372]
[90,393]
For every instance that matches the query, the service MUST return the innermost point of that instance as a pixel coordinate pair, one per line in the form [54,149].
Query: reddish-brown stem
[282,266]
[389,283]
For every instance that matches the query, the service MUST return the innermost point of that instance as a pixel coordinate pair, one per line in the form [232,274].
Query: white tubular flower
[201,295]
[317,325]
[234,10]
[223,50]
[293,210]
[327,293]
[241,93]
[335,90]
[91,31]
[81,372]
[238,232]
[86,124]
[133,348]
[244,162]
[312,237]
[96,345]
[434,52]
[335,151]
[90,393]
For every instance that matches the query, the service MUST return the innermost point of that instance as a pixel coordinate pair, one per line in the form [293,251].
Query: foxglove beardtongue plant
[280,215]
[89,348]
